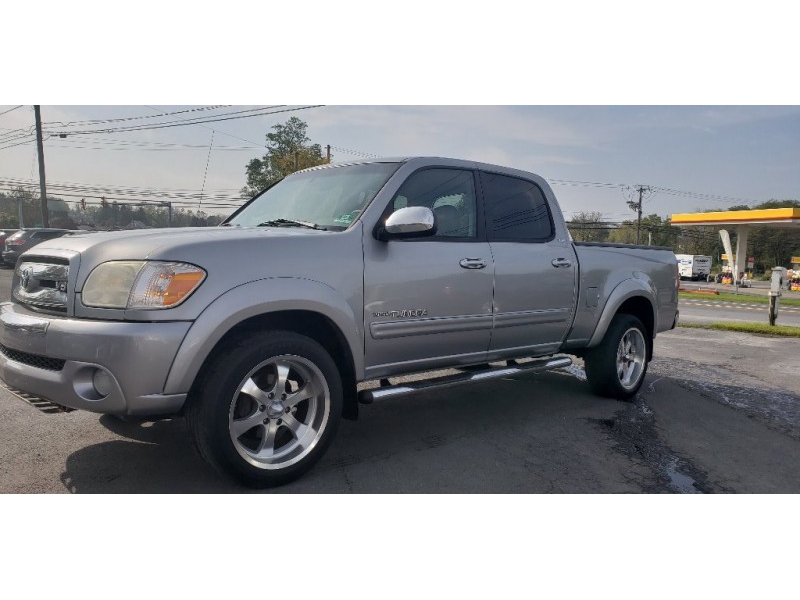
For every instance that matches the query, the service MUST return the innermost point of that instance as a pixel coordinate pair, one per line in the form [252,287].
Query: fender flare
[254,299]
[628,288]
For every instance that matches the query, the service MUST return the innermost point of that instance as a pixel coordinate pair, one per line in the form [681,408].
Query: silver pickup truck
[259,331]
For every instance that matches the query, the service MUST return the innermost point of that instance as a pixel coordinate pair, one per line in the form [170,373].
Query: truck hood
[215,249]
[164,244]
[232,257]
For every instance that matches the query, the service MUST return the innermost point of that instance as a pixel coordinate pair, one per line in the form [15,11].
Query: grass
[759,328]
[742,298]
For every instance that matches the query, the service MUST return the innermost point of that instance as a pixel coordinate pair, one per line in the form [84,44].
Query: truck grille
[41,283]
[32,360]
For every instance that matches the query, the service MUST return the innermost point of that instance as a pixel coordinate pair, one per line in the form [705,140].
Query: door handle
[472,263]
[559,263]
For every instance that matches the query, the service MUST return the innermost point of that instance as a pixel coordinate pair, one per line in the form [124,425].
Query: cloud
[462,131]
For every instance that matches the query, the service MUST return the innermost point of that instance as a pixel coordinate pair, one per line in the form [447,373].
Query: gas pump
[793,279]
[776,284]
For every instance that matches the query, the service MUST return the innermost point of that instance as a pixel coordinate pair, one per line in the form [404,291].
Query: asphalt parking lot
[719,413]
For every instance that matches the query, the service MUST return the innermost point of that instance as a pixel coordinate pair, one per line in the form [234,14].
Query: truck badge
[25,279]
[403,314]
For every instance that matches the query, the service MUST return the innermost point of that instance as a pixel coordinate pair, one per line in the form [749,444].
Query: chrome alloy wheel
[631,357]
[279,412]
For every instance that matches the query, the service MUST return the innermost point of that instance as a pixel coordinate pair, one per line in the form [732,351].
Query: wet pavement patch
[634,433]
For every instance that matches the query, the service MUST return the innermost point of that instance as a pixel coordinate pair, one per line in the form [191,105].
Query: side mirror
[409,222]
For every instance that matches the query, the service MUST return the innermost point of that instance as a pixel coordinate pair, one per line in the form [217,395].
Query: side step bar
[395,391]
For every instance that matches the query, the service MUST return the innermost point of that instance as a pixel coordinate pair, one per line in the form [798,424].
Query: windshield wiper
[291,223]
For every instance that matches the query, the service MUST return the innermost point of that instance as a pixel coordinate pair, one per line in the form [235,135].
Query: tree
[588,227]
[287,144]
[655,232]
[772,246]
[32,210]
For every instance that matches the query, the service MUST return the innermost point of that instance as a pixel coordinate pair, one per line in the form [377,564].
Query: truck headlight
[140,284]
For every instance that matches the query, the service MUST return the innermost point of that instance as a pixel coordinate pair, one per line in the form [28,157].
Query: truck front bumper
[100,366]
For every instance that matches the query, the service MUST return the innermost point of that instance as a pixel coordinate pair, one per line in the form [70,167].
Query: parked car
[5,233]
[25,239]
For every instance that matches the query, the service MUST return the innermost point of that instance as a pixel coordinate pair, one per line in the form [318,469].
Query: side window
[516,210]
[449,193]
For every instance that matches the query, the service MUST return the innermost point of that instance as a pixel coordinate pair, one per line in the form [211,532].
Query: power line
[122,193]
[184,123]
[189,121]
[11,109]
[80,186]
[205,175]
[30,141]
[350,152]
[119,145]
[127,200]
[123,119]
[219,131]
[702,196]
[586,183]
[13,135]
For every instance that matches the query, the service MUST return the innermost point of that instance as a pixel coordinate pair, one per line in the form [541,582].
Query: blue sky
[707,156]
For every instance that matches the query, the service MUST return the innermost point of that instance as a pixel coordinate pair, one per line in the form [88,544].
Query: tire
[267,409]
[617,367]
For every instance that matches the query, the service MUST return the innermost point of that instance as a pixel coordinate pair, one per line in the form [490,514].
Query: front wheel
[616,368]
[265,412]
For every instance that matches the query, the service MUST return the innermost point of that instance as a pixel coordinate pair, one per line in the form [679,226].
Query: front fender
[641,286]
[254,299]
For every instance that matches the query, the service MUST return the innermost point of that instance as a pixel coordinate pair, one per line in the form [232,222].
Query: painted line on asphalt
[763,307]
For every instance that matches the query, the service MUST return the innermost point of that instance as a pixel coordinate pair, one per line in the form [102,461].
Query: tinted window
[516,209]
[449,193]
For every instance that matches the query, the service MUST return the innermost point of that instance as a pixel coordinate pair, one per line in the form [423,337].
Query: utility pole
[637,206]
[328,147]
[40,148]
[19,209]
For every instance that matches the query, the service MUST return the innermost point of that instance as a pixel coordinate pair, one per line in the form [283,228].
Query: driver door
[428,301]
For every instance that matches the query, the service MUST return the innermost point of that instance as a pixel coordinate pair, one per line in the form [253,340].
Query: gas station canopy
[771,217]
[742,221]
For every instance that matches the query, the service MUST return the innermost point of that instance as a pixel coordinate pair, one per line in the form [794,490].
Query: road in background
[742,311]
[710,311]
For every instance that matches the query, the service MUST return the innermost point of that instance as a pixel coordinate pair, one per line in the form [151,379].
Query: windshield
[329,198]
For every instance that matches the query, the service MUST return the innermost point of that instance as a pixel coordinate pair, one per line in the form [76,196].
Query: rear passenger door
[535,268]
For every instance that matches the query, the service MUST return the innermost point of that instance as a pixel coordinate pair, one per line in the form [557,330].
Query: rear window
[517,210]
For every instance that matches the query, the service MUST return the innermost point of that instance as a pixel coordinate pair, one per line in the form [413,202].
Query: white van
[694,267]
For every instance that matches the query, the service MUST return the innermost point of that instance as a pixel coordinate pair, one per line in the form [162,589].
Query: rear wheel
[617,367]
[267,409]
